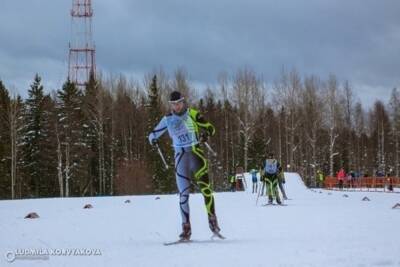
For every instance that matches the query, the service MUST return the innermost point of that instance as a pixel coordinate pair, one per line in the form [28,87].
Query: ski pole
[162,157]
[258,195]
[210,149]
[262,188]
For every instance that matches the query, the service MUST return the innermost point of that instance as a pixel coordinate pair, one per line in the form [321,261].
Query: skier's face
[177,107]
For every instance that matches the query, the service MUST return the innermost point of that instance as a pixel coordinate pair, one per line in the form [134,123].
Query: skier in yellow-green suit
[270,172]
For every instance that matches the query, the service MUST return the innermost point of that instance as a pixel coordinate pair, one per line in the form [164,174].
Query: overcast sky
[357,40]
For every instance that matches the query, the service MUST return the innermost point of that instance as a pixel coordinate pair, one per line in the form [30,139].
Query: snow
[315,229]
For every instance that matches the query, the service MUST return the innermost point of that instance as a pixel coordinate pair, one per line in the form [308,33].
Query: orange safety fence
[368,183]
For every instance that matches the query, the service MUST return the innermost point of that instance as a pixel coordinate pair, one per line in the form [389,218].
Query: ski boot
[186,232]
[269,200]
[213,223]
[278,200]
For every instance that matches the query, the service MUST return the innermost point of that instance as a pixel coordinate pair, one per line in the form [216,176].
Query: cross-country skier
[320,179]
[270,171]
[187,129]
[254,180]
[232,181]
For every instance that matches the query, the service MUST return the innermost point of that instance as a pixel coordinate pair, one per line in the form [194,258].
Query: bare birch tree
[332,116]
[14,113]
[246,93]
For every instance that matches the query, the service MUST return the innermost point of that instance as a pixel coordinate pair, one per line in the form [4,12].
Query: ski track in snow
[314,229]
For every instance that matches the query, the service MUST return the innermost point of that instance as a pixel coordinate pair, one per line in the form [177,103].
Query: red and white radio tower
[81,61]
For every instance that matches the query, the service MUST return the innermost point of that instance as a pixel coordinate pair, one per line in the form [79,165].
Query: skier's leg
[182,172]
[282,188]
[262,187]
[275,190]
[268,184]
[200,168]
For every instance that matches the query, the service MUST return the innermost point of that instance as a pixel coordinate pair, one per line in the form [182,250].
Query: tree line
[92,141]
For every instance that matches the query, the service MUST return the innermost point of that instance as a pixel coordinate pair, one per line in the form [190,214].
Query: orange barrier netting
[363,183]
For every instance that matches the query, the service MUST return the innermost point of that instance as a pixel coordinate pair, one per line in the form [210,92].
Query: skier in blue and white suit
[187,129]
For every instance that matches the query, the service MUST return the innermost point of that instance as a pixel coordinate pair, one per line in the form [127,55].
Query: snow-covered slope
[315,229]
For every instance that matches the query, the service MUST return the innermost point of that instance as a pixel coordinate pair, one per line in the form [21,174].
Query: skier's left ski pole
[162,157]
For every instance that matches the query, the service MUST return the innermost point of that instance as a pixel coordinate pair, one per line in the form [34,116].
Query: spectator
[340,177]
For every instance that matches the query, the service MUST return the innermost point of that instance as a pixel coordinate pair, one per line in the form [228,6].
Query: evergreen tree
[94,133]
[259,144]
[5,148]
[36,147]
[49,147]
[71,122]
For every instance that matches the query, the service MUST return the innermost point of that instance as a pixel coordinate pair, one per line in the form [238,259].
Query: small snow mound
[345,195]
[88,206]
[157,198]
[32,215]
[366,199]
[127,201]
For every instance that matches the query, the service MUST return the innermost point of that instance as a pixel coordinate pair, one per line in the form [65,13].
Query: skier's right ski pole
[210,149]
[162,157]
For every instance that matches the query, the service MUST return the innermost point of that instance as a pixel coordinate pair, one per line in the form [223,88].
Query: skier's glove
[203,137]
[154,142]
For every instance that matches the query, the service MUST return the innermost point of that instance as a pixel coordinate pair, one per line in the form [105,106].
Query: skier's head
[177,102]
[270,155]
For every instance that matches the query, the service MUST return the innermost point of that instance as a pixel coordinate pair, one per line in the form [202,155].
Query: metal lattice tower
[81,60]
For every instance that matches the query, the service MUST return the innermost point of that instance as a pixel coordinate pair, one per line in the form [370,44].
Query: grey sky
[358,40]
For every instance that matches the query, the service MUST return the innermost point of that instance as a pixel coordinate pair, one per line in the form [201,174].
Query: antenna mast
[81,59]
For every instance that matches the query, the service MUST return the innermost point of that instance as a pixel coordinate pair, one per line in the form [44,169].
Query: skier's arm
[202,123]
[205,124]
[158,131]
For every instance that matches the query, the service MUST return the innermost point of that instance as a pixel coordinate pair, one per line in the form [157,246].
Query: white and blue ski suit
[190,163]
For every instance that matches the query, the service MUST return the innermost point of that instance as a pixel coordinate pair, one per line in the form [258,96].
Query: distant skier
[340,177]
[187,129]
[281,182]
[232,182]
[320,179]
[254,180]
[270,171]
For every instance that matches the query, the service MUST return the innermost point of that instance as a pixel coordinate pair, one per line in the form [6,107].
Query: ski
[265,205]
[214,237]
[268,204]
[179,241]
[217,235]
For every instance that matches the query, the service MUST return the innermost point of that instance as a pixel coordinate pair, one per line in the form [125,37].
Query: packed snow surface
[316,228]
